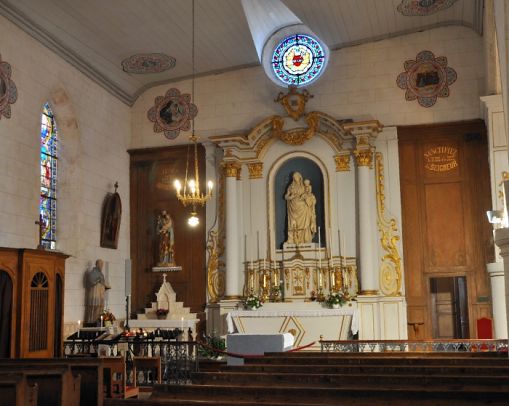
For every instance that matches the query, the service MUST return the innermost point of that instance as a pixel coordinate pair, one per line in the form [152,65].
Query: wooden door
[445,195]
[449,307]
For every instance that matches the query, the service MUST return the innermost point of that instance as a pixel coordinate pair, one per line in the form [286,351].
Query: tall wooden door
[445,194]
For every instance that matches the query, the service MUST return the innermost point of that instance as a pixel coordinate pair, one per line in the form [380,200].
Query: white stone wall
[94,130]
[360,83]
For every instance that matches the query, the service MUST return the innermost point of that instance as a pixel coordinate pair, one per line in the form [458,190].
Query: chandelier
[189,194]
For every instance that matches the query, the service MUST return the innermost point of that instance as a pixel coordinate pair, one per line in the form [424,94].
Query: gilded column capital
[255,170]
[364,157]
[342,162]
[231,169]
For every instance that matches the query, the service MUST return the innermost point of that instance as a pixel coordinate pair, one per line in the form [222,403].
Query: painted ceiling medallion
[148,63]
[423,7]
[426,78]
[8,90]
[172,113]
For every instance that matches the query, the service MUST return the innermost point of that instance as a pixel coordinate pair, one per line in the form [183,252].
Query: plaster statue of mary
[300,203]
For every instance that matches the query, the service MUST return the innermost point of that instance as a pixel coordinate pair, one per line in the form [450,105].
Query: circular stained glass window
[298,60]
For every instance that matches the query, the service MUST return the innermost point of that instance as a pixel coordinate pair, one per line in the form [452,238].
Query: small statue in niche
[166,239]
[96,287]
[300,203]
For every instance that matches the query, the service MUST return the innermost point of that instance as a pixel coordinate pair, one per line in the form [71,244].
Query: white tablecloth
[354,328]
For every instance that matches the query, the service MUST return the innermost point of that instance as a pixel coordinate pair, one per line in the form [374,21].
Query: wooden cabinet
[34,280]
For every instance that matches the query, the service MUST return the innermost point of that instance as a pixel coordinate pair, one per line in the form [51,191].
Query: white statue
[300,203]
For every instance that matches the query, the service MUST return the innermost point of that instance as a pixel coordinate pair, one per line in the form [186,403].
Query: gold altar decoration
[294,102]
[390,268]
[296,136]
[342,162]
[255,170]
[215,277]
[231,169]
[364,157]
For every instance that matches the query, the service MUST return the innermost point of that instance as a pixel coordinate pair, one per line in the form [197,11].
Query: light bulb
[177,185]
[193,221]
[210,185]
[192,186]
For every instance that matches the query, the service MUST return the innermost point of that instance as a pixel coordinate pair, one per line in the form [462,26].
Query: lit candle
[319,251]
[79,324]
[102,317]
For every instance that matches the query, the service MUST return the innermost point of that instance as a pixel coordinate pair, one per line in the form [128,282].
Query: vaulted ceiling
[97,35]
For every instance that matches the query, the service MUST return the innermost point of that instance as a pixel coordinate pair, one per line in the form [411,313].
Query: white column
[502,240]
[232,237]
[496,273]
[367,251]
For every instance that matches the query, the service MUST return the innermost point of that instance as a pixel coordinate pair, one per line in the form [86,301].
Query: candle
[79,324]
[258,244]
[182,324]
[330,243]
[245,247]
[339,244]
[319,251]
[102,317]
[343,247]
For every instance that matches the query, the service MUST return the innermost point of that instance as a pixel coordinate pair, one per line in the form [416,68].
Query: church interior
[319,181]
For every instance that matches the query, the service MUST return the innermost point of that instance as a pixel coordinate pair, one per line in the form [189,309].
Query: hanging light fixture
[191,194]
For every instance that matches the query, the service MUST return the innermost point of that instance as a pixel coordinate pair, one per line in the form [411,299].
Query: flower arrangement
[335,299]
[161,312]
[212,343]
[252,302]
[107,316]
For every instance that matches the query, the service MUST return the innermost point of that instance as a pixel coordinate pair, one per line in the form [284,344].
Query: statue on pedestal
[96,289]
[166,239]
[300,203]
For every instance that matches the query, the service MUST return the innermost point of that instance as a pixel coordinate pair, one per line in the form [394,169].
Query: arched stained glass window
[298,60]
[48,199]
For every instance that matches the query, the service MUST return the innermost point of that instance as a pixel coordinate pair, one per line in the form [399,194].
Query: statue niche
[301,215]
[299,203]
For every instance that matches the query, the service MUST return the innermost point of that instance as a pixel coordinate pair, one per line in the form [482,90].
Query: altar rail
[451,345]
[178,358]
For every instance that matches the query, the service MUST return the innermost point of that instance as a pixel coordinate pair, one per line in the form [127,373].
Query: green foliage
[212,342]
[335,299]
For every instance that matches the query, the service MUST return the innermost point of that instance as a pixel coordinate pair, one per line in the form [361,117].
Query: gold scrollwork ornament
[215,277]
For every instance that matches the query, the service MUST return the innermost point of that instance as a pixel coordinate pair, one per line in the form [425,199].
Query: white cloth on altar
[256,344]
[354,328]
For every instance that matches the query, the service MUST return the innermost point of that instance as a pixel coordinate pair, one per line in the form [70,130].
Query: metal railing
[178,358]
[474,345]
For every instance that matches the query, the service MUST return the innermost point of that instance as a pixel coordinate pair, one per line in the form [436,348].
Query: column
[232,170]
[502,240]
[496,273]
[367,252]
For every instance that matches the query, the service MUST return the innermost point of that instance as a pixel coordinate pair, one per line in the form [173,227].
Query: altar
[307,321]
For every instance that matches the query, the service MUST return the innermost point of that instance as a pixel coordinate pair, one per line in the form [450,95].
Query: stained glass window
[49,159]
[298,60]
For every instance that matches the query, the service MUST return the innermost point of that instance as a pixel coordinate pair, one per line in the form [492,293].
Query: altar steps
[318,379]
[346,380]
[358,395]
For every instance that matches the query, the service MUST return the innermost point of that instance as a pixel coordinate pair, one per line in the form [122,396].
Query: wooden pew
[115,379]
[16,391]
[151,368]
[56,383]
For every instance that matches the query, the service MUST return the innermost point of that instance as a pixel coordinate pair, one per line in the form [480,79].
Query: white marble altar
[307,322]
[256,344]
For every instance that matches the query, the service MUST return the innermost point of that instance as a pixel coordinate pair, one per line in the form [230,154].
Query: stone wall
[94,132]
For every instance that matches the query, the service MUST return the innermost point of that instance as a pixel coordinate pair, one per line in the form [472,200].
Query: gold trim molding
[364,157]
[371,292]
[215,277]
[296,136]
[255,170]
[294,102]
[342,162]
[390,267]
[231,169]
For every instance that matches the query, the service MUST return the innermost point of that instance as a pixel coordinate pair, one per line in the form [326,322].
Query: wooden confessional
[31,303]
